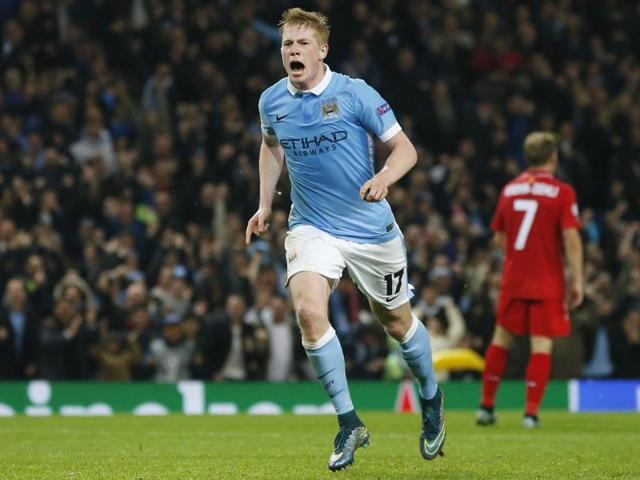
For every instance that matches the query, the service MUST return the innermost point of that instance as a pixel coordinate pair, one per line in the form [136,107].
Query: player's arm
[573,251]
[570,224]
[270,166]
[377,117]
[499,227]
[500,241]
[402,158]
[270,163]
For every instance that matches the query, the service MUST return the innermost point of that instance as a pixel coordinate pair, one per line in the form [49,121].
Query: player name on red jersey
[537,188]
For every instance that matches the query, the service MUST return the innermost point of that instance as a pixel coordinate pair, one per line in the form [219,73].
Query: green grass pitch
[568,446]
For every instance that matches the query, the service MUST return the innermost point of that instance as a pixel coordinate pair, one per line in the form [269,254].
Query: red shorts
[542,318]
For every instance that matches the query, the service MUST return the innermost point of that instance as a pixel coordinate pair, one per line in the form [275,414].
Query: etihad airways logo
[316,145]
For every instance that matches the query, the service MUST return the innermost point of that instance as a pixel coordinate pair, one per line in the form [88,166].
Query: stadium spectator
[62,347]
[367,356]
[283,340]
[194,332]
[235,349]
[115,360]
[95,144]
[624,340]
[171,354]
[446,326]
[18,333]
[430,302]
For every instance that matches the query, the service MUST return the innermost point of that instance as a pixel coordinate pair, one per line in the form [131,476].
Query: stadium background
[128,168]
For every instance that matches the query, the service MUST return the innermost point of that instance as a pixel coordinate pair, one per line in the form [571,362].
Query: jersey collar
[538,172]
[318,89]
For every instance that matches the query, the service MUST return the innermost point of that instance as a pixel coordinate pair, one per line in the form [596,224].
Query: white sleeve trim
[390,133]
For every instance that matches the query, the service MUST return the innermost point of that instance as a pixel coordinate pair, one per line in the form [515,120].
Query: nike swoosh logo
[279,118]
[431,449]
[335,457]
[390,299]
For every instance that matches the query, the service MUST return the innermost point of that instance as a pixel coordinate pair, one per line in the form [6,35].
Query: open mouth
[296,66]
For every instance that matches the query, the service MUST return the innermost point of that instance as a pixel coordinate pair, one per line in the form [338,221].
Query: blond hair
[314,20]
[538,146]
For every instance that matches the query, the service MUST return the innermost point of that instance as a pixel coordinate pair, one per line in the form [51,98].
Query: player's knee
[541,345]
[396,322]
[396,328]
[383,314]
[502,338]
[395,325]
[308,315]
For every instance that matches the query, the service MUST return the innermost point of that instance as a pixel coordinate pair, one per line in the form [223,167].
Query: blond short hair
[538,146]
[315,20]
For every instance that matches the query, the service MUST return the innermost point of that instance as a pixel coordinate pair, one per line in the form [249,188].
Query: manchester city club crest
[330,110]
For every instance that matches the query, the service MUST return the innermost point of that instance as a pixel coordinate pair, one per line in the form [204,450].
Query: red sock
[495,363]
[538,372]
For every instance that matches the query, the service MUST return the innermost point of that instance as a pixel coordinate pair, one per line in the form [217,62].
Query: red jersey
[532,211]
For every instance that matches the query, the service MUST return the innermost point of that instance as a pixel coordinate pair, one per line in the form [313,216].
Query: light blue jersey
[326,136]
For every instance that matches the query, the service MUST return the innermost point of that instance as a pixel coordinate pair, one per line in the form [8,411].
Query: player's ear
[324,50]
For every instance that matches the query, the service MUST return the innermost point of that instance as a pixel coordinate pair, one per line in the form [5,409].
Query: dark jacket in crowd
[17,361]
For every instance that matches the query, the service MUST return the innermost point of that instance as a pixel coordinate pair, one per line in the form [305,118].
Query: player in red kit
[536,219]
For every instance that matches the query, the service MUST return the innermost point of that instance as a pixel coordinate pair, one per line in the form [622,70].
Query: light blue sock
[416,350]
[327,359]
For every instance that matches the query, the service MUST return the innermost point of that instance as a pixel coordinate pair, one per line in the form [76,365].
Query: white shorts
[378,269]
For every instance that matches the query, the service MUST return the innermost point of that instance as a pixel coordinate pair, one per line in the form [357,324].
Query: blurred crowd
[128,168]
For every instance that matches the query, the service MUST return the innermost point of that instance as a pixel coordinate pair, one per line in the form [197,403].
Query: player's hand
[373,190]
[576,294]
[258,224]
